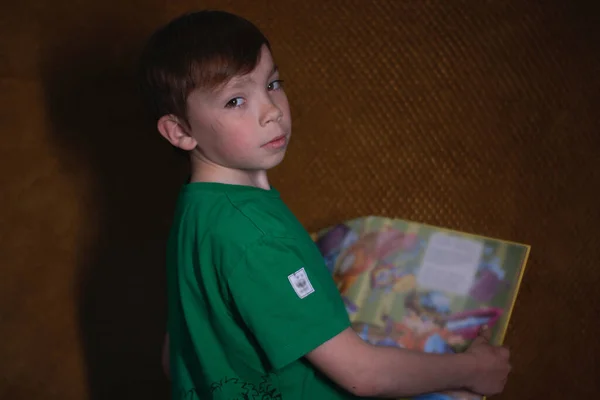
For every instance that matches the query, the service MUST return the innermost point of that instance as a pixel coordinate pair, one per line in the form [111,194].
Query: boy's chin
[274,161]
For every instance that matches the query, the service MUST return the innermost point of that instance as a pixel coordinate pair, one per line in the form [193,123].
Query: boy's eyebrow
[244,80]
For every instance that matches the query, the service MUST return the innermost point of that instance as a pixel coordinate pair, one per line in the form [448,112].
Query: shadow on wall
[129,190]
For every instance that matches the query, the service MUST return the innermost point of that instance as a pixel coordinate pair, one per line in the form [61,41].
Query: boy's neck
[208,172]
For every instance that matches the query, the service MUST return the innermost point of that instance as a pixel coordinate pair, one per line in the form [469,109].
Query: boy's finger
[503,352]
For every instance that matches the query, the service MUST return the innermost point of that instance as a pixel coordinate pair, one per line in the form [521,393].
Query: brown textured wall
[475,115]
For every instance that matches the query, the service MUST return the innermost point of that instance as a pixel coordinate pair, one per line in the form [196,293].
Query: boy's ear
[173,130]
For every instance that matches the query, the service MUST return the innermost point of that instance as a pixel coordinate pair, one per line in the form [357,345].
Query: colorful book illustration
[417,286]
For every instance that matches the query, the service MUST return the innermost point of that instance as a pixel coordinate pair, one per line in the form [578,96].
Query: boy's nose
[271,113]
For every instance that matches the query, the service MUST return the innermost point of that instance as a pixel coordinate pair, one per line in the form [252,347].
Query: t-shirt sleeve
[287,298]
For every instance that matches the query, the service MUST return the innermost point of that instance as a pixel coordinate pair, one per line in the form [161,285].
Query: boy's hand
[492,365]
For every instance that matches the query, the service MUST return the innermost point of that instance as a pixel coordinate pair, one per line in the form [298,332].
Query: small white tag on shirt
[300,283]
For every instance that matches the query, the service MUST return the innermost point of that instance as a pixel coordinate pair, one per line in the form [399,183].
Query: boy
[253,312]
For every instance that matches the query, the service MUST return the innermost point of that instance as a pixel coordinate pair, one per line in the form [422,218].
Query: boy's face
[244,125]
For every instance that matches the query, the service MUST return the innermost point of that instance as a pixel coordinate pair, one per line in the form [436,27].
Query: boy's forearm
[388,372]
[394,372]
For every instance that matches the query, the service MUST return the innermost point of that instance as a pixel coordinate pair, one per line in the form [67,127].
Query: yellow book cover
[422,287]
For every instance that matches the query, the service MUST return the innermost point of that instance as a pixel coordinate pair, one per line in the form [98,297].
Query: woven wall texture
[475,115]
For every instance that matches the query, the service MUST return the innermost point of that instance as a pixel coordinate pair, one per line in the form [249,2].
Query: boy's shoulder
[240,214]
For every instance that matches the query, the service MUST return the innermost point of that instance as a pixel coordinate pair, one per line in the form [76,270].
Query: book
[422,287]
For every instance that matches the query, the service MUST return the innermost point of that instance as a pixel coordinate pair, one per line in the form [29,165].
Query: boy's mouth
[276,143]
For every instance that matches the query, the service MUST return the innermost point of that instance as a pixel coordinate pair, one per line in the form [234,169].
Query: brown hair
[203,49]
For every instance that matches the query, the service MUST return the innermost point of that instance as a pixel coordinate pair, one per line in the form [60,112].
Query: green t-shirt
[249,295]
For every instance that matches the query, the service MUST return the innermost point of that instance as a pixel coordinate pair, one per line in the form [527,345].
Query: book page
[450,263]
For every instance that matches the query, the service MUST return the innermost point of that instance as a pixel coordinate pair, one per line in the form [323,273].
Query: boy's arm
[293,308]
[388,372]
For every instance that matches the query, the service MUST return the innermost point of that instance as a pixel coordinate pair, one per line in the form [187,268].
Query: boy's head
[212,86]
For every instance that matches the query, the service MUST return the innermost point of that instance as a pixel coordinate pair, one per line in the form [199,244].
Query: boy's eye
[275,85]
[236,102]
